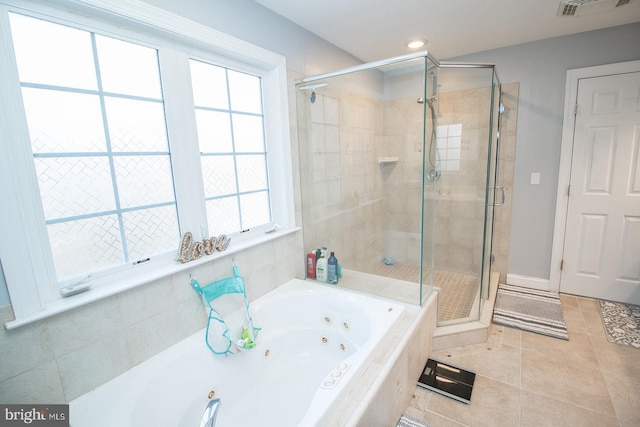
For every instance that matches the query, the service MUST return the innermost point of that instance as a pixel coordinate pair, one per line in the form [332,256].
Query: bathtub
[314,345]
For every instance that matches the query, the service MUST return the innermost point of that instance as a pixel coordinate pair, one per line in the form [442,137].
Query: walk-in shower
[398,167]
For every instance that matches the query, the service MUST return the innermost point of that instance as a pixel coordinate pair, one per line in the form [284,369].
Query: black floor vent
[447,380]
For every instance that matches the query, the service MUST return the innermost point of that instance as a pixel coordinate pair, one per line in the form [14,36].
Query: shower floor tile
[458,294]
[457,290]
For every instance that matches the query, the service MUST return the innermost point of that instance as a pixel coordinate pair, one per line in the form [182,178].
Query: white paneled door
[601,256]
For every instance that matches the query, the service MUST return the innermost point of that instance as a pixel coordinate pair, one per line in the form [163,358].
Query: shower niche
[398,166]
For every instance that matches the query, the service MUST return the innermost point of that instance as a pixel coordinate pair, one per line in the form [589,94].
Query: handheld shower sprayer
[432,173]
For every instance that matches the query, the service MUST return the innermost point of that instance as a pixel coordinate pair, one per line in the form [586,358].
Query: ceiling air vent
[588,7]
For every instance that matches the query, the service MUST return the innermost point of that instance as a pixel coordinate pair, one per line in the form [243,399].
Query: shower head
[312,87]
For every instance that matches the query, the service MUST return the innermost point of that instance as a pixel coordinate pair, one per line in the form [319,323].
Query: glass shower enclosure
[398,160]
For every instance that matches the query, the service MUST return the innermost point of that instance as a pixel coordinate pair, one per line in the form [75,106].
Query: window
[233,155]
[124,139]
[95,113]
[449,143]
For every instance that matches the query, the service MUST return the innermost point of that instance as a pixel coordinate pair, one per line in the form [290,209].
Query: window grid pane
[232,148]
[92,243]
[73,186]
[100,149]
[449,145]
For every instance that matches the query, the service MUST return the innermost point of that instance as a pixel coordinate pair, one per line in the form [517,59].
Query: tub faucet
[210,413]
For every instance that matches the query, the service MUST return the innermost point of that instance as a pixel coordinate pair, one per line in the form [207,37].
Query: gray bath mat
[530,310]
[406,421]
[621,322]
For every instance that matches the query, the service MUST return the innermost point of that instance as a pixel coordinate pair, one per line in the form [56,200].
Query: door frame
[566,153]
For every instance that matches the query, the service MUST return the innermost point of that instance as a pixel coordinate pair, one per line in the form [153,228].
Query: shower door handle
[502,198]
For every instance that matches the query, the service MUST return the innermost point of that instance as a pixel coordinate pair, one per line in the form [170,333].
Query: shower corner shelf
[386,160]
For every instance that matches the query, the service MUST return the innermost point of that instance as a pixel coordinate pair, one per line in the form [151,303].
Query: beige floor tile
[620,367]
[593,322]
[420,399]
[587,304]
[568,301]
[414,413]
[570,378]
[624,357]
[493,404]
[512,337]
[541,411]
[495,334]
[579,346]
[629,420]
[437,420]
[574,319]
[498,362]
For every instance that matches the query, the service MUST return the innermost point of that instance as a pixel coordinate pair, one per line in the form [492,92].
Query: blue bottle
[332,269]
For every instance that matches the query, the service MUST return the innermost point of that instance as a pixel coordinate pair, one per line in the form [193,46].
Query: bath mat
[530,310]
[406,421]
[621,322]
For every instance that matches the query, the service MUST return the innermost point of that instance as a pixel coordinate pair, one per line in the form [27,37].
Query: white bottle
[321,267]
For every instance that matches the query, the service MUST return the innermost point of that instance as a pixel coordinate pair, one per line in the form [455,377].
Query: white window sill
[116,284]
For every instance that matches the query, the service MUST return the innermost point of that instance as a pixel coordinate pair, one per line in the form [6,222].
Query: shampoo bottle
[311,265]
[332,269]
[321,268]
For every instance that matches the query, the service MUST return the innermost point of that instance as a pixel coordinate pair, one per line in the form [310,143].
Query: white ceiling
[378,29]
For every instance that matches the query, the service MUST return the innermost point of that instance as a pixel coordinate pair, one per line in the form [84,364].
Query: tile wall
[343,204]
[459,195]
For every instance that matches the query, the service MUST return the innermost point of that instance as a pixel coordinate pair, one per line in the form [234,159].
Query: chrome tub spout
[210,413]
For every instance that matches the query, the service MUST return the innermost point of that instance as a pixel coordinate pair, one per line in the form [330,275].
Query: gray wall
[540,68]
[246,20]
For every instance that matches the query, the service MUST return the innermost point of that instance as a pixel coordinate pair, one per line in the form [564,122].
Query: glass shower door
[495,193]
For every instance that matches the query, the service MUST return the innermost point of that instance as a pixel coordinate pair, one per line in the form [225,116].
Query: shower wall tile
[316,109]
[331,109]
[331,139]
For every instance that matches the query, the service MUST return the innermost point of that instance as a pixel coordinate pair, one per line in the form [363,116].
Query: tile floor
[525,379]
[457,290]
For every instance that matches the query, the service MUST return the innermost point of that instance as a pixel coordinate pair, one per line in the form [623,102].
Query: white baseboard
[528,282]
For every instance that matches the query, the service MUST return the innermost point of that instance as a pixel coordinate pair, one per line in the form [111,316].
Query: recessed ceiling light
[416,44]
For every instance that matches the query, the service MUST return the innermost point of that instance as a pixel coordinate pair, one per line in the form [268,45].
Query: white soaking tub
[314,345]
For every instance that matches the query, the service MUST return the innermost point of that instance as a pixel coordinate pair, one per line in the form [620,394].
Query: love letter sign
[190,250]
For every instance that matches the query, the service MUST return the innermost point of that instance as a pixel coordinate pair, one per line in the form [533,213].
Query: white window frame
[26,261]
